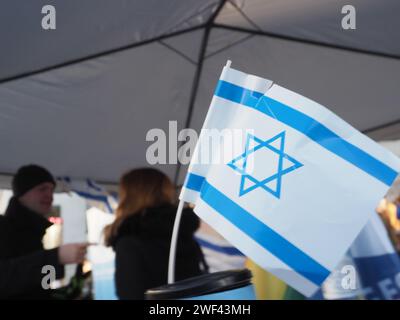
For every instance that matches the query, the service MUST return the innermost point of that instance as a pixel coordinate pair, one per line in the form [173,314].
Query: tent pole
[196,80]
[193,94]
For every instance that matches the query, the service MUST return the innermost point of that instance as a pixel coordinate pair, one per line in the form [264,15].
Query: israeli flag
[89,190]
[300,185]
[378,264]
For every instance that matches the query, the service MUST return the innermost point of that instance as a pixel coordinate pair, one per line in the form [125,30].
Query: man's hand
[72,253]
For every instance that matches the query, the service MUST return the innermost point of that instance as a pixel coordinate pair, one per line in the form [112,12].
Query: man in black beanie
[33,186]
[21,231]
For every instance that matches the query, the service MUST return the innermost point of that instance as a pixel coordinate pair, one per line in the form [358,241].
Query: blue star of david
[280,139]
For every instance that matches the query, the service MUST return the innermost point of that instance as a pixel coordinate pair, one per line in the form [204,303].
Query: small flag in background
[299,187]
[378,264]
[219,254]
[89,190]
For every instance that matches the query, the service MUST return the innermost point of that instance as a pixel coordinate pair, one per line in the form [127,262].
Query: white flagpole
[174,239]
[172,250]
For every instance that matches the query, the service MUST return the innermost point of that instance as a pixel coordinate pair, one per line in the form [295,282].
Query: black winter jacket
[142,250]
[22,255]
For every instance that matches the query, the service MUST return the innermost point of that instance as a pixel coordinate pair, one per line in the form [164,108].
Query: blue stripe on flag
[296,259]
[309,127]
[193,181]
[91,184]
[230,251]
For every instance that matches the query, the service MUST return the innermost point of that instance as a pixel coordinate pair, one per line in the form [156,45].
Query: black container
[231,284]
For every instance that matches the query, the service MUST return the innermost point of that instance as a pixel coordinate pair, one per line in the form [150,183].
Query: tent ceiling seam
[381,126]
[194,15]
[304,41]
[98,55]
[179,53]
[229,46]
[244,15]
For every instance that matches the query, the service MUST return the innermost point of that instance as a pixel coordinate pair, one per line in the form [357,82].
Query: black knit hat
[28,177]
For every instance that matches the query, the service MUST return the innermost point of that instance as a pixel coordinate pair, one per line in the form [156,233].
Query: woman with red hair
[141,234]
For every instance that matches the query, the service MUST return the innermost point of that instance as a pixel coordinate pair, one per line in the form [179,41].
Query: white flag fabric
[300,185]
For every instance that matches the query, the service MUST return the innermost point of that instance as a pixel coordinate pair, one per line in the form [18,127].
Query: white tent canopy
[80,99]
